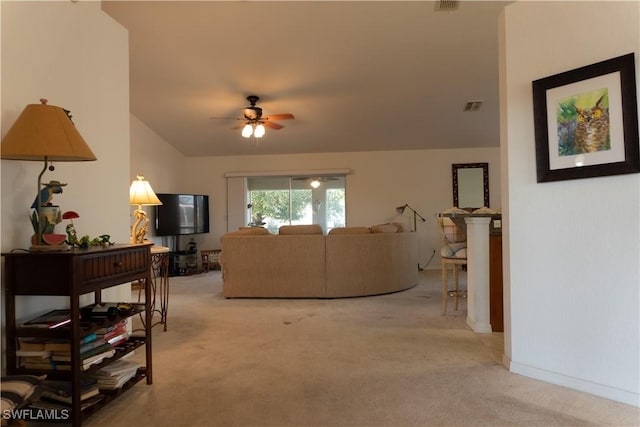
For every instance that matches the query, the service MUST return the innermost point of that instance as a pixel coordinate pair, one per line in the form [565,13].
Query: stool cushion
[15,389]
[454,250]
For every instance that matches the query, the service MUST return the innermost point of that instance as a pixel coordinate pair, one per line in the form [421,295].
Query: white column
[478,273]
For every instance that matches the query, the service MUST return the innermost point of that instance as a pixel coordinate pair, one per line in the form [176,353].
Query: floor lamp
[416,215]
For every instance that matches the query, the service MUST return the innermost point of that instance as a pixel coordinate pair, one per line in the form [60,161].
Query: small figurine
[84,241]
[46,194]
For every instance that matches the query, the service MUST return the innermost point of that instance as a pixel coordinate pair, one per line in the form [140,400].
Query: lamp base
[143,242]
[49,248]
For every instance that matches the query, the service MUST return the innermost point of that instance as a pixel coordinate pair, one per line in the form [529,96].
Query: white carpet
[389,360]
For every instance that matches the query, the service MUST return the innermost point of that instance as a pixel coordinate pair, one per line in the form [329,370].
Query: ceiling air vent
[447,5]
[472,105]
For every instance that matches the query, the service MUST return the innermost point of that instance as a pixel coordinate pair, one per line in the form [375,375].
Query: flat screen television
[182,214]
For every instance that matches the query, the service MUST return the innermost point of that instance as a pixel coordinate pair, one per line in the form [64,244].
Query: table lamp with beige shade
[141,194]
[46,133]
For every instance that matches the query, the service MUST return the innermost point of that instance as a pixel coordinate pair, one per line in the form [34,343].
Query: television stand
[183,263]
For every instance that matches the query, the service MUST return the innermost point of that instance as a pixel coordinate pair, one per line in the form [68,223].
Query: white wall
[77,57]
[159,162]
[153,157]
[380,182]
[572,248]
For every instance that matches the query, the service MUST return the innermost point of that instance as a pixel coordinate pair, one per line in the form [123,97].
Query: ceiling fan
[255,122]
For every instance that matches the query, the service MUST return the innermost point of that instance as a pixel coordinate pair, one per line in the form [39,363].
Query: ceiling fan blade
[271,125]
[279,117]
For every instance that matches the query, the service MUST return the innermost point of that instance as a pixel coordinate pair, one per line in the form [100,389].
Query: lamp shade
[141,193]
[259,131]
[45,131]
[247,130]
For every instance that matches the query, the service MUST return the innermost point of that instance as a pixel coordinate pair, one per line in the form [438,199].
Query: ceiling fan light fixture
[315,183]
[247,130]
[259,131]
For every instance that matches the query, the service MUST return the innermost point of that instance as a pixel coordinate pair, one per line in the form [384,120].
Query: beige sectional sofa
[301,262]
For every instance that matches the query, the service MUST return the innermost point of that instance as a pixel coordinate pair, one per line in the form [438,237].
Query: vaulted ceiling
[358,76]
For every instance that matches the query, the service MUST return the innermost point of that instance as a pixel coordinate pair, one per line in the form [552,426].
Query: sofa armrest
[370,264]
[290,266]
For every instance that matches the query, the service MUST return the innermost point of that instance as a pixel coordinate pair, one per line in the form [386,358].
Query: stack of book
[32,354]
[115,334]
[115,375]
[36,353]
[93,349]
[35,359]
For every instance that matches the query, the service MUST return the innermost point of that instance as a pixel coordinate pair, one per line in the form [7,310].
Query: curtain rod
[307,172]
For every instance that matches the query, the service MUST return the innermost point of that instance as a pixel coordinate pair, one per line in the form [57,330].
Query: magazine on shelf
[65,397]
[98,358]
[115,375]
[51,320]
[110,310]
[38,403]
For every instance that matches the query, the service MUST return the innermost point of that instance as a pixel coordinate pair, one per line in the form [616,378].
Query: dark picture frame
[586,121]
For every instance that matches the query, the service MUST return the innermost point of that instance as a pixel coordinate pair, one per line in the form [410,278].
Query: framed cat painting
[586,121]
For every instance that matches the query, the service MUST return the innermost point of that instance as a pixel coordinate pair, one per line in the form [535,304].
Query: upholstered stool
[456,264]
[453,233]
[210,259]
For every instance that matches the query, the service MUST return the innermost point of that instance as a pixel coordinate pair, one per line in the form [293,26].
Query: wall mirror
[470,185]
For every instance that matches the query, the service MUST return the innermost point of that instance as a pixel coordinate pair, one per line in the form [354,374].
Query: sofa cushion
[350,230]
[384,228]
[401,227]
[249,231]
[300,229]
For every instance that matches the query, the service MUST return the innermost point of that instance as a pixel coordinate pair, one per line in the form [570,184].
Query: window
[274,201]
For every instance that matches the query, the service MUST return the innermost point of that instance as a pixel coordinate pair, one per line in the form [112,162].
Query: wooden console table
[72,274]
[158,285]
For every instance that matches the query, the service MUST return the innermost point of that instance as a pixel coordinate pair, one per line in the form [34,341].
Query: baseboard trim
[478,327]
[506,362]
[601,390]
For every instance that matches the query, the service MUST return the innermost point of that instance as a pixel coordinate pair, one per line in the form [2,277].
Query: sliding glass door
[288,200]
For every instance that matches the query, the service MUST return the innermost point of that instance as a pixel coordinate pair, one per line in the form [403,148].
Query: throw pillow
[401,227]
[384,228]
[485,210]
[300,229]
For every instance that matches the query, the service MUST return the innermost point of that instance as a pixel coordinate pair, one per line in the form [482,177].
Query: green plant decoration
[84,241]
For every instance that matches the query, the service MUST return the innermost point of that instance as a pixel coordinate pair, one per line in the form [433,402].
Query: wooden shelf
[72,274]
